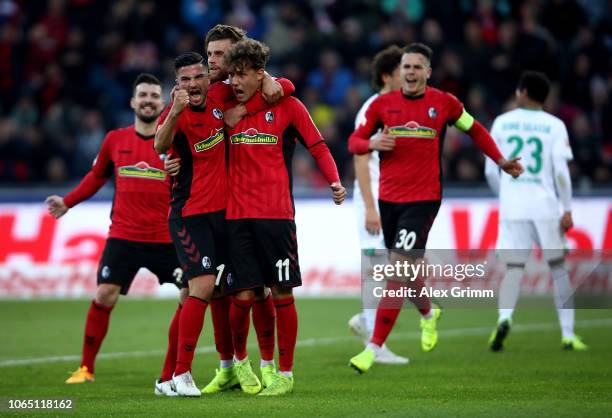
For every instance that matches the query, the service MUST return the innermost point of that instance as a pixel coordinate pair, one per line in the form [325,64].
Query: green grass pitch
[533,377]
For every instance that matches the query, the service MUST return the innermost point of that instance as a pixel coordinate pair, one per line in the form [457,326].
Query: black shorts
[201,243]
[263,252]
[122,259]
[406,225]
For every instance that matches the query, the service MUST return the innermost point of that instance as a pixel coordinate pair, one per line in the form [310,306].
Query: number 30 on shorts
[406,240]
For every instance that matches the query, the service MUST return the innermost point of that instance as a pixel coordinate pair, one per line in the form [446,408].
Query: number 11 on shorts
[280,264]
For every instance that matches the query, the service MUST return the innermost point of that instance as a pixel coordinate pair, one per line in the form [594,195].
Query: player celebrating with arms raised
[260,210]
[414,120]
[138,235]
[386,78]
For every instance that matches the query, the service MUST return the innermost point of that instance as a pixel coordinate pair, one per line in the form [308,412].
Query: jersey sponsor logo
[412,130]
[432,112]
[269,117]
[215,137]
[217,113]
[252,136]
[142,170]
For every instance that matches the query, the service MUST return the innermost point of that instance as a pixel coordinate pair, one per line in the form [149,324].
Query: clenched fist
[180,102]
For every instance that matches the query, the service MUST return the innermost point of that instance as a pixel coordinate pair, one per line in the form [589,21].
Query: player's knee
[107,294]
[261,293]
[279,292]
[183,295]
[202,286]
[245,295]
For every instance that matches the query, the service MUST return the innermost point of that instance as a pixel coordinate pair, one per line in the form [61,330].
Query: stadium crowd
[66,68]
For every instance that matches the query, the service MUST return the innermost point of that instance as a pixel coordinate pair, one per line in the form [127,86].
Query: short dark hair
[145,78]
[419,48]
[385,62]
[188,58]
[220,32]
[536,84]
[247,53]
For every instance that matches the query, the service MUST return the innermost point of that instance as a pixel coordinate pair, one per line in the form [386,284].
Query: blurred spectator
[89,137]
[331,79]
[66,68]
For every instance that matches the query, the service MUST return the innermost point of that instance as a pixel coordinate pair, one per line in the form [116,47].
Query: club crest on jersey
[432,112]
[216,136]
[105,273]
[142,170]
[412,130]
[217,113]
[253,136]
[206,262]
[269,117]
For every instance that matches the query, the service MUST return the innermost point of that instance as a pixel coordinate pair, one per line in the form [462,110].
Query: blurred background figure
[66,65]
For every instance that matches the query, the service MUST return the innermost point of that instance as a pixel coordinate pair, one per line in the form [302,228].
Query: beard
[148,119]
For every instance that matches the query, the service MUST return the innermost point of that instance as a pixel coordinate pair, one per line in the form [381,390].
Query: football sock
[509,290]
[287,325]
[96,326]
[264,363]
[220,311]
[388,310]
[225,364]
[173,332]
[368,284]
[264,321]
[422,303]
[369,317]
[373,346]
[190,326]
[564,300]
[239,319]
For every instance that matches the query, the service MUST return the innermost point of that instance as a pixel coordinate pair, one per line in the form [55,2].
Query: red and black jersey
[260,153]
[142,189]
[412,171]
[200,186]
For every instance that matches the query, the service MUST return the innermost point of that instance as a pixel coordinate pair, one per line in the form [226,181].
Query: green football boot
[429,332]
[225,379]
[499,334]
[363,361]
[249,382]
[278,385]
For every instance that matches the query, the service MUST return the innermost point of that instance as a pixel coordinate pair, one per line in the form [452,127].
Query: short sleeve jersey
[261,148]
[540,139]
[142,189]
[412,170]
[201,184]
